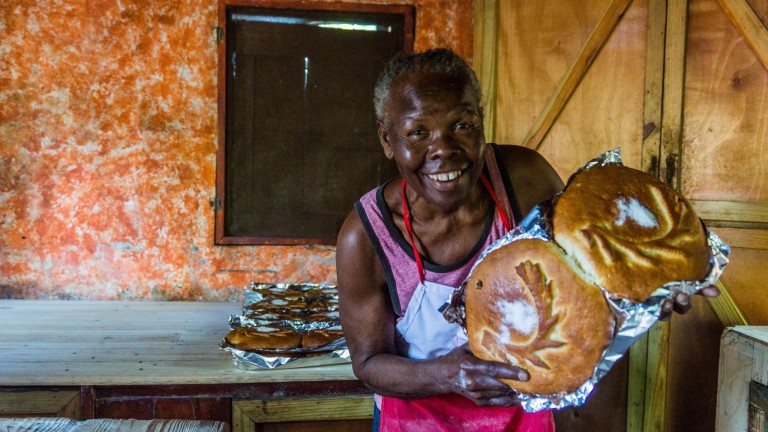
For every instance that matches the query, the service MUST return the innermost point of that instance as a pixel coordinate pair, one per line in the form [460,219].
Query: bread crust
[314,339]
[251,339]
[526,306]
[629,231]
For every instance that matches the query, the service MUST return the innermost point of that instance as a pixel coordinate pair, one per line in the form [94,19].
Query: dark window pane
[301,143]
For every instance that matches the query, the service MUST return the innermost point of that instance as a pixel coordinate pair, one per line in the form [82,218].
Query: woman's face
[433,129]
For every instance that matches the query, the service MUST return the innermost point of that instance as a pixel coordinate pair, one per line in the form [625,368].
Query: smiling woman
[411,241]
[296,151]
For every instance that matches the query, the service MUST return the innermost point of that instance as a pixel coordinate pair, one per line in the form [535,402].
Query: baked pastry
[319,338]
[527,306]
[629,231]
[255,339]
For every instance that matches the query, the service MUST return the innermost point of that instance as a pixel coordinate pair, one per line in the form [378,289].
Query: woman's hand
[479,380]
[681,303]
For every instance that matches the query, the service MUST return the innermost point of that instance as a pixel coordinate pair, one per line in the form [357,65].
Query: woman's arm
[369,322]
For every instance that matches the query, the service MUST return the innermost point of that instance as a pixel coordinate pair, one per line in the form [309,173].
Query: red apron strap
[498,184]
[503,216]
[407,220]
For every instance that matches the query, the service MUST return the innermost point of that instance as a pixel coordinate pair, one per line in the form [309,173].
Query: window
[297,131]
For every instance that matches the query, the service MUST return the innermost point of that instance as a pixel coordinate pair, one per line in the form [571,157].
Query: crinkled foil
[632,319]
[271,307]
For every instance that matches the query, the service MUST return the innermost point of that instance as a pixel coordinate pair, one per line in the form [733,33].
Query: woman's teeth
[445,176]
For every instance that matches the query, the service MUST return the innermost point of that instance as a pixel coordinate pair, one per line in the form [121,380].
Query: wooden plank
[576,72]
[725,307]
[654,83]
[732,211]
[743,238]
[485,60]
[750,26]
[638,368]
[726,114]
[656,377]
[40,403]
[76,343]
[651,148]
[176,371]
[671,148]
[674,78]
[306,409]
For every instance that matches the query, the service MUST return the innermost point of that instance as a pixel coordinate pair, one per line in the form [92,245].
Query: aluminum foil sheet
[273,307]
[632,319]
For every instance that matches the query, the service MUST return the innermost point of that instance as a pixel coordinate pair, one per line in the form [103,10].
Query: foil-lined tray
[632,319]
[300,308]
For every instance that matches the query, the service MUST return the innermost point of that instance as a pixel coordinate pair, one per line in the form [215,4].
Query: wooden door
[682,87]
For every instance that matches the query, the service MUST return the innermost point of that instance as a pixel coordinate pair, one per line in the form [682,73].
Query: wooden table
[140,360]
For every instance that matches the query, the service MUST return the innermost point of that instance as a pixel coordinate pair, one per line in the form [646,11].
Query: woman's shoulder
[531,176]
[518,154]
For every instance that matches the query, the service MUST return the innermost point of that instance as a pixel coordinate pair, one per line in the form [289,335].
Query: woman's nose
[443,145]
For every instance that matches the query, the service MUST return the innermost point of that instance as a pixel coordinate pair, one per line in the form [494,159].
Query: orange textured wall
[108,148]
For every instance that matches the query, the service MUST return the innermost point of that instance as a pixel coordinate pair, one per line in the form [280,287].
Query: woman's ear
[384,140]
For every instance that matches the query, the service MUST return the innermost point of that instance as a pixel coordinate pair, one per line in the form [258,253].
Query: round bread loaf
[526,306]
[629,231]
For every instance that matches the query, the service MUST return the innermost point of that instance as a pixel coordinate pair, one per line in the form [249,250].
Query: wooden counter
[128,343]
[141,360]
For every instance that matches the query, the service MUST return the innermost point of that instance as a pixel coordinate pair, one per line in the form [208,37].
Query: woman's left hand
[681,303]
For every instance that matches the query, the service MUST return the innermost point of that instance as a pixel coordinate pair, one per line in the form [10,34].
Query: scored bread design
[527,306]
[630,232]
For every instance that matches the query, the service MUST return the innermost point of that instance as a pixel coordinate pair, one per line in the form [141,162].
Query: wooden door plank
[652,126]
[669,166]
[732,211]
[743,238]
[485,60]
[674,79]
[654,83]
[576,72]
[638,368]
[725,307]
[750,26]
[656,377]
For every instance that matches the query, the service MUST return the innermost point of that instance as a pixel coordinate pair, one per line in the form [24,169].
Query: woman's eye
[416,133]
[463,126]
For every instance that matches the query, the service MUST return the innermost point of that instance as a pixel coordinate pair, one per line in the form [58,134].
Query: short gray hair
[439,60]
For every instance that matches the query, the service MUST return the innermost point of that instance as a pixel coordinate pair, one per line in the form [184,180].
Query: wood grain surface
[128,343]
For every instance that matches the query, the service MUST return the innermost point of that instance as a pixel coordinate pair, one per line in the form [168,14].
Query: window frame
[220,237]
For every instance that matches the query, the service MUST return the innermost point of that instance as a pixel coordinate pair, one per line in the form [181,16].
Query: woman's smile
[445,177]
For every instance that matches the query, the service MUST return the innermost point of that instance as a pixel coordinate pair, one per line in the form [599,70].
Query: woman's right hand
[479,380]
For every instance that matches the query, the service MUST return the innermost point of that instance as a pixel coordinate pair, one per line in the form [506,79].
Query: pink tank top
[396,255]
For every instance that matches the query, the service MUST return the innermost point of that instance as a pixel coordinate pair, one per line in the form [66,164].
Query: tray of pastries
[287,324]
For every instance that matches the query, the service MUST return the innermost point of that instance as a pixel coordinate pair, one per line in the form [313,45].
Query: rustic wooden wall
[107,152]
[538,43]
[682,87]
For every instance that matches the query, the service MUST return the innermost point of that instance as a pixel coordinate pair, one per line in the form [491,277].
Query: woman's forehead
[416,89]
